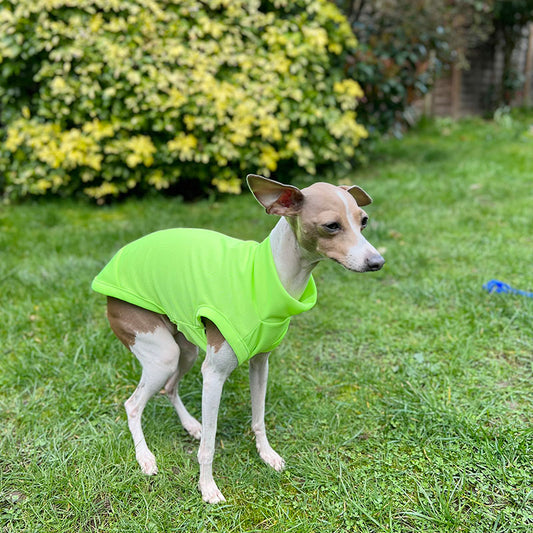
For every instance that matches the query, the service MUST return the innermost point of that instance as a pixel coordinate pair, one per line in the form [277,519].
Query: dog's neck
[293,263]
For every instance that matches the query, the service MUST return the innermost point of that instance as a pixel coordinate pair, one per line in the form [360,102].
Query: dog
[175,290]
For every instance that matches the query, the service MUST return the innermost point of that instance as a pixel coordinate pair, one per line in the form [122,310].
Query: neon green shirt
[189,274]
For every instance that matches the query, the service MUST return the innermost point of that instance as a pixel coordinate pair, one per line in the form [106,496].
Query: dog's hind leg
[150,337]
[158,354]
[188,355]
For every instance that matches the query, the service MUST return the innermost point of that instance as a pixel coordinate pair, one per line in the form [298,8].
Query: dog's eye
[364,222]
[332,227]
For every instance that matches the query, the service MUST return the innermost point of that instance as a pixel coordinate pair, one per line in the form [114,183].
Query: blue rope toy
[499,286]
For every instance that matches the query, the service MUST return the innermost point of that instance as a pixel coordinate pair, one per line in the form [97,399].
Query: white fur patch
[157,347]
[349,215]
[362,250]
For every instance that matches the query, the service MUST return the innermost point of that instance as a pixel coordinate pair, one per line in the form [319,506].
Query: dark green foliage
[404,46]
[510,18]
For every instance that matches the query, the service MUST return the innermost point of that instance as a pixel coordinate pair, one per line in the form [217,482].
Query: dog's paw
[272,459]
[211,494]
[194,428]
[147,463]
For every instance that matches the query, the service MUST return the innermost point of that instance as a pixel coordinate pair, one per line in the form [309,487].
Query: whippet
[176,290]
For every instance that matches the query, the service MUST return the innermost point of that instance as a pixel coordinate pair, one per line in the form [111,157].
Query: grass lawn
[402,402]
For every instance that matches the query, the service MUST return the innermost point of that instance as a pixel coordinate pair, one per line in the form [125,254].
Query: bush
[114,96]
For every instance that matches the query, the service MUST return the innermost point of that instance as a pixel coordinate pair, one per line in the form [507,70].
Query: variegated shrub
[111,96]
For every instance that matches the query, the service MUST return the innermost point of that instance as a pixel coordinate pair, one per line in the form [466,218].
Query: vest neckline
[272,299]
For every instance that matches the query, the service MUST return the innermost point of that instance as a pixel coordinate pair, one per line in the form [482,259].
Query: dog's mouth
[346,267]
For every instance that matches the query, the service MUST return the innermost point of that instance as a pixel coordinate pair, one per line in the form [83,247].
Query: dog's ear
[275,197]
[361,197]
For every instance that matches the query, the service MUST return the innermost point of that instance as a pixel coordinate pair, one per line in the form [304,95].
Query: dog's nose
[375,262]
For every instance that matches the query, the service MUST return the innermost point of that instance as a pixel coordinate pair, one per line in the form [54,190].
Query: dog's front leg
[219,362]
[258,384]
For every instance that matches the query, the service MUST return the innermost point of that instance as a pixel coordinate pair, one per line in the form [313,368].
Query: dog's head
[327,219]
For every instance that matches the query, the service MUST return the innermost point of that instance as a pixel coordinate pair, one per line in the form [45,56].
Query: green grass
[403,402]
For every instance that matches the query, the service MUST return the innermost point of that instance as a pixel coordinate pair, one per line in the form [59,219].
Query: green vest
[189,274]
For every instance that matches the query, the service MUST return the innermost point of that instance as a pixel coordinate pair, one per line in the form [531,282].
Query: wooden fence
[472,91]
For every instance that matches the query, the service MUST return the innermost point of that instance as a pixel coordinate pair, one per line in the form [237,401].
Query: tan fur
[128,320]
[214,337]
[324,206]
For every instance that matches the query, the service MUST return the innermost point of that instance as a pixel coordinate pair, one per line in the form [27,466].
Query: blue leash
[499,286]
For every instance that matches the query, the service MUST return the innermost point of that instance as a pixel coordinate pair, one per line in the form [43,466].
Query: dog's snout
[375,262]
